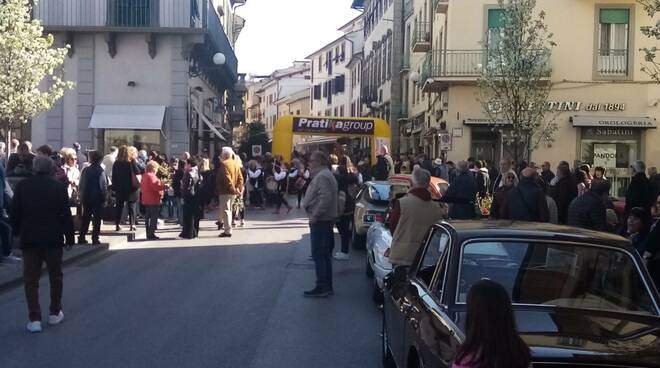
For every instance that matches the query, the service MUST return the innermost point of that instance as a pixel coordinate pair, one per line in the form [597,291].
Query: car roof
[502,228]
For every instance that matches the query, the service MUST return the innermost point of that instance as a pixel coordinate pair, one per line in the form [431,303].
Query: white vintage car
[378,266]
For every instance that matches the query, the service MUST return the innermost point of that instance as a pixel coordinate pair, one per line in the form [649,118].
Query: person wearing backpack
[191,188]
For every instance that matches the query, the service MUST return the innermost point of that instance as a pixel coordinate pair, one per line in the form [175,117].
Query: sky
[277,32]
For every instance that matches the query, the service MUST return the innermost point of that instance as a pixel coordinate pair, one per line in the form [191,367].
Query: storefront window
[148,140]
[615,149]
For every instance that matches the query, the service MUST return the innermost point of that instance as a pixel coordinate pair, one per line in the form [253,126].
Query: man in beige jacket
[410,219]
[228,184]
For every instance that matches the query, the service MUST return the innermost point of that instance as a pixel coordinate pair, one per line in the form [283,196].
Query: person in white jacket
[299,177]
[255,184]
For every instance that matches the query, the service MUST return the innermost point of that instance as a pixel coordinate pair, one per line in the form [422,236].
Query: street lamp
[219,59]
[415,77]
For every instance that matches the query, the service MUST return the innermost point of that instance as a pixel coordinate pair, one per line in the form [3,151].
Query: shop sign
[606,121]
[329,126]
[605,155]
[256,150]
[560,106]
[457,132]
[619,132]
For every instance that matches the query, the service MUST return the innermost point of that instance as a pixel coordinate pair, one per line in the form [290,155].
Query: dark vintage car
[581,298]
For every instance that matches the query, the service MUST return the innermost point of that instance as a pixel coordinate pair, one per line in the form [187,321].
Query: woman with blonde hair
[70,167]
[125,184]
[151,188]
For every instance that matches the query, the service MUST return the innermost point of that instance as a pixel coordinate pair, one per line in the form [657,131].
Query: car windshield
[378,193]
[573,276]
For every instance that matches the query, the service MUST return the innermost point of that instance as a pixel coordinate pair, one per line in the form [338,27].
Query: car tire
[388,359]
[377,294]
[359,241]
[369,269]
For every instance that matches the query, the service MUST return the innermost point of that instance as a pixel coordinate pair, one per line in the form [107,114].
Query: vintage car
[580,298]
[372,200]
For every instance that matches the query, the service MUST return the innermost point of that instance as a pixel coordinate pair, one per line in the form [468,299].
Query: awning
[487,122]
[128,117]
[614,122]
[212,127]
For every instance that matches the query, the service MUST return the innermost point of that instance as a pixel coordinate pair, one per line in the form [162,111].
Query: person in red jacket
[151,188]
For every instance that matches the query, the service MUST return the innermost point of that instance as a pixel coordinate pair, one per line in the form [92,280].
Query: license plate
[369,218]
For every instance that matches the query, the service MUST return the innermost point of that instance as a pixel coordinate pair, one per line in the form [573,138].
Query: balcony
[441,6]
[148,16]
[613,62]
[442,68]
[421,39]
[408,9]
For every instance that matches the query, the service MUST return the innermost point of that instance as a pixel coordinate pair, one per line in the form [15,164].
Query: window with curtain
[613,41]
[495,25]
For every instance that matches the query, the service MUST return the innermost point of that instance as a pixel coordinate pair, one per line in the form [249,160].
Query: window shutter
[495,18]
[317,92]
[614,16]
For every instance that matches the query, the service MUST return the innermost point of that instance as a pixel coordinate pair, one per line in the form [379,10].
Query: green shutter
[614,16]
[495,18]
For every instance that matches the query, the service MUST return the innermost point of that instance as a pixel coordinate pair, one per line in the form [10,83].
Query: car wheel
[369,269]
[359,241]
[388,359]
[377,294]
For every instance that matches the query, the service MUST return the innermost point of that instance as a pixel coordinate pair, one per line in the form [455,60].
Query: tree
[29,83]
[652,66]
[255,135]
[514,84]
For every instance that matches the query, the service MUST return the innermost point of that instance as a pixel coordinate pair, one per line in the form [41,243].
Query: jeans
[32,261]
[226,202]
[151,219]
[93,213]
[344,227]
[130,198]
[6,237]
[320,235]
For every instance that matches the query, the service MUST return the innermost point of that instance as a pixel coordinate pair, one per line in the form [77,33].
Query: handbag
[134,181]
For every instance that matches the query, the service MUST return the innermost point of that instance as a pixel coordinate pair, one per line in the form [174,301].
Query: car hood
[579,336]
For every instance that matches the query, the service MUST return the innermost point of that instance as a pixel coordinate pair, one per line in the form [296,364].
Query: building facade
[604,106]
[145,75]
[332,68]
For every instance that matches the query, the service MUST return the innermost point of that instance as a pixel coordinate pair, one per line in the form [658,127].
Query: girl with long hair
[491,335]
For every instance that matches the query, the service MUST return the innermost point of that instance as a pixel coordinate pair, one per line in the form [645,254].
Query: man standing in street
[526,202]
[229,183]
[588,210]
[410,219]
[385,151]
[176,186]
[640,191]
[505,167]
[40,214]
[320,204]
[93,195]
[546,173]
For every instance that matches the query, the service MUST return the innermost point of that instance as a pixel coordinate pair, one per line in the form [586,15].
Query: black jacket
[526,202]
[93,186]
[20,164]
[563,193]
[40,213]
[588,211]
[461,194]
[640,193]
[547,176]
[122,177]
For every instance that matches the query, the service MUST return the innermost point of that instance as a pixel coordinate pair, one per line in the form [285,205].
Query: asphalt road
[210,302]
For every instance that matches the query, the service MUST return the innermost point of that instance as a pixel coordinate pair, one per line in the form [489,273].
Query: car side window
[435,249]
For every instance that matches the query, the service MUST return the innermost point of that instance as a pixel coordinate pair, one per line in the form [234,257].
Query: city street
[208,302]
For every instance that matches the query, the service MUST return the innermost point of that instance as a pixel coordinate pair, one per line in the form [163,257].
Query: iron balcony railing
[421,33]
[461,63]
[613,62]
[139,14]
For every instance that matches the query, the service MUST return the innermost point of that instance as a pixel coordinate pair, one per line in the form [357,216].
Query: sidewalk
[11,274]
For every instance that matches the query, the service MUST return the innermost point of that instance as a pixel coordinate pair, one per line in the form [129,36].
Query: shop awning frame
[128,117]
[212,127]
